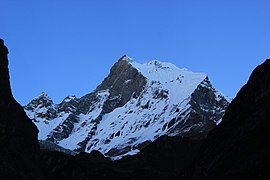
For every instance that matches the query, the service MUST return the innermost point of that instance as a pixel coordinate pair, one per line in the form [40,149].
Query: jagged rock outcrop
[43,102]
[124,82]
[239,147]
[133,106]
[19,147]
[208,107]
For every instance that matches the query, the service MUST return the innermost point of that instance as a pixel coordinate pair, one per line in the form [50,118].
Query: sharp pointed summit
[125,58]
[134,105]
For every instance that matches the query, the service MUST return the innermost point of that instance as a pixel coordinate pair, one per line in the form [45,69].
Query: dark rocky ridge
[19,147]
[206,111]
[238,148]
[43,102]
[165,158]
[119,73]
[119,94]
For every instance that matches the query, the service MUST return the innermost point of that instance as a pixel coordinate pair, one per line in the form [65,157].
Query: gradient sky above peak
[67,47]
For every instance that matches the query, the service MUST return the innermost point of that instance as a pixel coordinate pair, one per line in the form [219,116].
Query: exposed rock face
[19,147]
[207,109]
[133,106]
[119,86]
[239,147]
[43,102]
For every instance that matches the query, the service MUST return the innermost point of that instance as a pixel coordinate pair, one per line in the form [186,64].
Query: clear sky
[66,47]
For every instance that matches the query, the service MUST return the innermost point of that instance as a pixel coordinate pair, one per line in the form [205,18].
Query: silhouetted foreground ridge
[19,147]
[236,149]
[239,147]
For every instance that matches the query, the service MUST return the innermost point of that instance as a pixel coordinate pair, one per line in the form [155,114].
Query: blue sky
[66,47]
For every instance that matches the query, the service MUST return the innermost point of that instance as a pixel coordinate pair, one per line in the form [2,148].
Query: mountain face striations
[19,147]
[132,107]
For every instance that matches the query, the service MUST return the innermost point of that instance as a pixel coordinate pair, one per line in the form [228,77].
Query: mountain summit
[134,105]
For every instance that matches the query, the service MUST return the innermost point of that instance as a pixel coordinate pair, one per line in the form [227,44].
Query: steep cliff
[19,147]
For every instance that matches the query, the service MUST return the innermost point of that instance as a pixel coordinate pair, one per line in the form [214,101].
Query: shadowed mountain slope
[239,147]
[19,147]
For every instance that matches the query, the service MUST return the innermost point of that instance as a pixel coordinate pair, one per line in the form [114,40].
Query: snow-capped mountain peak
[167,76]
[126,58]
[43,97]
[134,105]
[41,102]
[164,71]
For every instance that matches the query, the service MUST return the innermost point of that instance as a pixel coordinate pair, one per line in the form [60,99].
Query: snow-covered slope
[133,106]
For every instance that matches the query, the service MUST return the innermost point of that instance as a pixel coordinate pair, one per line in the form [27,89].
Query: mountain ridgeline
[133,106]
